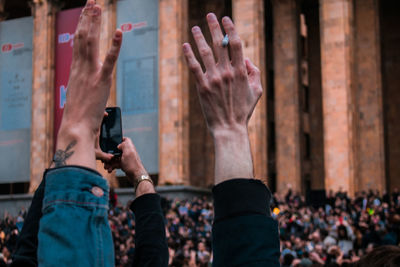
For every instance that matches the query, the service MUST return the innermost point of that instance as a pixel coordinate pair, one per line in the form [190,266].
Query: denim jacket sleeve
[74,228]
[244,234]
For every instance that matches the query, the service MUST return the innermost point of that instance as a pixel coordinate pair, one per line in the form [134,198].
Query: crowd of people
[335,233]
[339,232]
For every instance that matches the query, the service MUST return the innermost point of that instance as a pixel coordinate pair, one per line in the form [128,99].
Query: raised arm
[151,247]
[74,229]
[244,234]
[88,90]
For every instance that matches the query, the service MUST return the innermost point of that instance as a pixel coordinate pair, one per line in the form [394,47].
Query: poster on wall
[66,22]
[15,99]
[137,77]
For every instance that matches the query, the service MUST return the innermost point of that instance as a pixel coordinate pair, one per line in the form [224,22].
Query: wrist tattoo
[61,156]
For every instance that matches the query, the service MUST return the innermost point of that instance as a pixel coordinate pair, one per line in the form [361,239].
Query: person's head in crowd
[287,260]
[317,234]
[383,256]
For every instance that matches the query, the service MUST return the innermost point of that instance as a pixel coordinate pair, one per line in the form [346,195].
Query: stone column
[42,89]
[368,90]
[287,83]
[173,94]
[336,55]
[249,21]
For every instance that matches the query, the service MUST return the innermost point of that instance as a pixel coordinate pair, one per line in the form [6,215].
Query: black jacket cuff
[146,203]
[239,197]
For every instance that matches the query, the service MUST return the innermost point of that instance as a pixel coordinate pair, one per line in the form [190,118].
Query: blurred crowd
[335,232]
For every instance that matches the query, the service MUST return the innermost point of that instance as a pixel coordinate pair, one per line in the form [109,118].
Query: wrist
[145,187]
[235,132]
[135,173]
[232,154]
[224,136]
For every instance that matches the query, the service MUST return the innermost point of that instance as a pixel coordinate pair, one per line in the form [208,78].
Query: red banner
[66,22]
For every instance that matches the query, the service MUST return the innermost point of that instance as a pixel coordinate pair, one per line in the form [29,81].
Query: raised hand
[88,90]
[228,90]
[131,164]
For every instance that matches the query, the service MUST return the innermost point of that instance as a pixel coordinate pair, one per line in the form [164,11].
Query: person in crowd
[67,223]
[68,220]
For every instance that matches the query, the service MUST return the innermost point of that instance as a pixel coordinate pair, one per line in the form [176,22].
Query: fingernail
[211,16]
[196,29]
[96,11]
[185,47]
[118,34]
[226,19]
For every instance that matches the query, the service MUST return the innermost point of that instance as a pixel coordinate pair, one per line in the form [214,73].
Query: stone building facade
[329,115]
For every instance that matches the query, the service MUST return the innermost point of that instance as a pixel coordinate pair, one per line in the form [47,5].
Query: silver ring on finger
[225,41]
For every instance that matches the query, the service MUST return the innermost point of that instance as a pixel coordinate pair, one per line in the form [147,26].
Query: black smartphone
[111,131]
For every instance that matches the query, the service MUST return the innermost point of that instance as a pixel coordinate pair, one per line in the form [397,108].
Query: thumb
[252,70]
[254,76]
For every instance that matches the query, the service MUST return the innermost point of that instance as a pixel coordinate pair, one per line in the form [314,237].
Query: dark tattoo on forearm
[61,156]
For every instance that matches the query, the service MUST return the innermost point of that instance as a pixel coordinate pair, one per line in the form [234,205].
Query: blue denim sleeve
[74,229]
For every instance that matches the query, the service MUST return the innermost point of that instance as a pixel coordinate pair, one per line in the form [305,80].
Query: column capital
[3,14]
[53,5]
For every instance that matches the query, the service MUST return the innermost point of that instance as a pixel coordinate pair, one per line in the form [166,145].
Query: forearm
[232,154]
[75,146]
[243,223]
[150,241]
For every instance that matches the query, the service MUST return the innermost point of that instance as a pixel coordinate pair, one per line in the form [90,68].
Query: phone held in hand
[111,131]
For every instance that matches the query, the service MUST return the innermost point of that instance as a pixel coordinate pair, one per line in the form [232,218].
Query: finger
[111,165]
[220,52]
[120,145]
[205,51]
[93,39]
[252,71]
[82,31]
[103,156]
[125,142]
[194,65]
[112,55]
[105,114]
[235,43]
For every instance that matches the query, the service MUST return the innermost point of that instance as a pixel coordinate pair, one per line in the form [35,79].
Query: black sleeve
[151,247]
[27,243]
[244,234]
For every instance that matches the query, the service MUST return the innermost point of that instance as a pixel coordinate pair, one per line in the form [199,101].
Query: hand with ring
[229,90]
